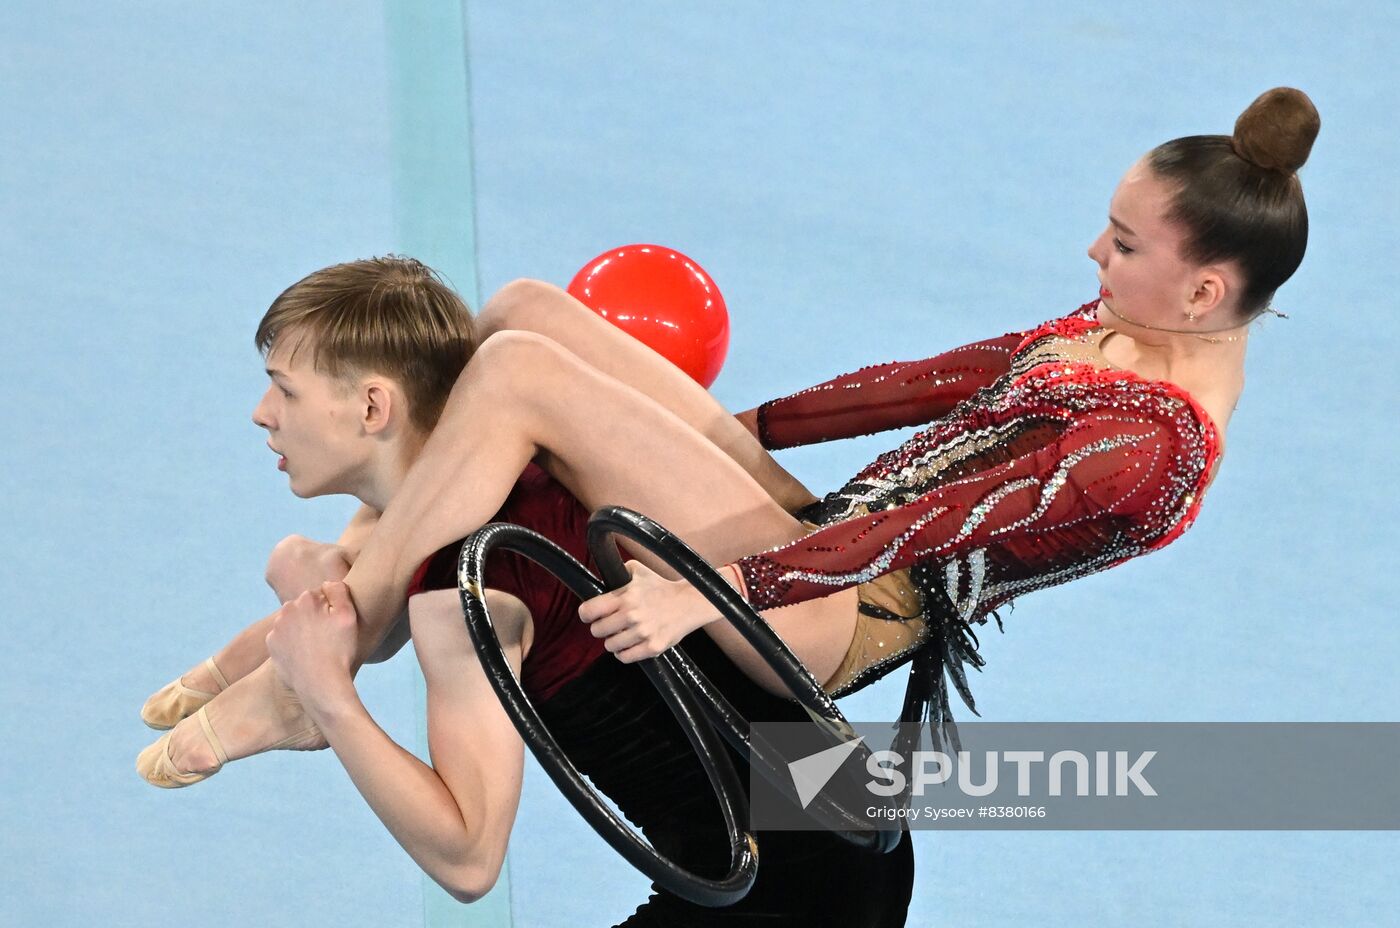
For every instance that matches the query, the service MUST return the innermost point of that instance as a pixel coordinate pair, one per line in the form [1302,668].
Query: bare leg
[536,306]
[291,570]
[296,564]
[525,397]
[299,564]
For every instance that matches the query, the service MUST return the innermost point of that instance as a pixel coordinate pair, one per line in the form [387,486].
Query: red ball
[664,300]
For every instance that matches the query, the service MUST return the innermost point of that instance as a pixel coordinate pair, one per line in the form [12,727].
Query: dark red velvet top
[562,646]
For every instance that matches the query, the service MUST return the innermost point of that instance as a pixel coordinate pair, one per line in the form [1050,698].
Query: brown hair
[1238,196]
[391,316]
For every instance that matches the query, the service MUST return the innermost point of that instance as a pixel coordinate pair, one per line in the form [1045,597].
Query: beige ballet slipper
[156,767]
[175,701]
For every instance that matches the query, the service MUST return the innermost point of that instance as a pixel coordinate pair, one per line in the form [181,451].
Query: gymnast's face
[314,423]
[1141,272]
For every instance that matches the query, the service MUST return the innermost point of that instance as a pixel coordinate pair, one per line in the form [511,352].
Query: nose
[1098,249]
[262,413]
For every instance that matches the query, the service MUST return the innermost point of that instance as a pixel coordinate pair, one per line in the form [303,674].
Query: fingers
[615,626]
[604,605]
[610,625]
[330,596]
[630,618]
[627,638]
[638,652]
[332,599]
[591,610]
[337,595]
[621,631]
[307,599]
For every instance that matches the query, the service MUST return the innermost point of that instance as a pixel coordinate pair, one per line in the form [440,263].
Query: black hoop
[851,825]
[636,850]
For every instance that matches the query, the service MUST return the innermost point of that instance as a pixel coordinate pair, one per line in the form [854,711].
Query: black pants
[614,726]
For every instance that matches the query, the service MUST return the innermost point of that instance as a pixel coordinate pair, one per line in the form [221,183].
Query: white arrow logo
[812,773]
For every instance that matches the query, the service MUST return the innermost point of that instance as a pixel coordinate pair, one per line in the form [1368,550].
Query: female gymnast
[1049,454]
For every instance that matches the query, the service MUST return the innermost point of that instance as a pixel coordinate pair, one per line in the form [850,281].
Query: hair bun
[1277,130]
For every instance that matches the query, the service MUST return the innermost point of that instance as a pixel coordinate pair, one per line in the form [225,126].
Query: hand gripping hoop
[851,825]
[684,687]
[716,762]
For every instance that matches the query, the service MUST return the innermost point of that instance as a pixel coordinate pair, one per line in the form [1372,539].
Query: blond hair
[391,315]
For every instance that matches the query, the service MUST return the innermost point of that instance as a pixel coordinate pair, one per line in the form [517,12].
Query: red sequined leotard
[1040,463]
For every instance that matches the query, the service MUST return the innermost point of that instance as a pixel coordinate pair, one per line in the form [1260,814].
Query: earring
[1191,315]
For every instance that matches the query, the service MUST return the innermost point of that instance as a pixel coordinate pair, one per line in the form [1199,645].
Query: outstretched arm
[1106,470]
[880,397]
[454,817]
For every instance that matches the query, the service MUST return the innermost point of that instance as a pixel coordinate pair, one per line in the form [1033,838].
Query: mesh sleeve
[884,396]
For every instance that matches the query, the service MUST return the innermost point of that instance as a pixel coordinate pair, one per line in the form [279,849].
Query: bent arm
[454,817]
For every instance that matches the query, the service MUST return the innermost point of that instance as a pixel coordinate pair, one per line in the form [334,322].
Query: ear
[1213,289]
[379,405]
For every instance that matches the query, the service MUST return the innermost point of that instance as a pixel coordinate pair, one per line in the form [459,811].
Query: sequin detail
[1057,467]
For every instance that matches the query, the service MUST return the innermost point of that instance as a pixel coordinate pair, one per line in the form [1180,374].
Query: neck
[387,470]
[1178,355]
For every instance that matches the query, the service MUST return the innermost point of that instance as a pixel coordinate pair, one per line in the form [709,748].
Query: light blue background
[864,182]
